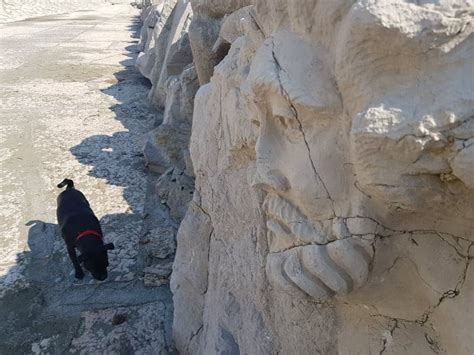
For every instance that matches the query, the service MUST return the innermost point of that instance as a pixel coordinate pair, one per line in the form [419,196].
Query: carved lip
[287,221]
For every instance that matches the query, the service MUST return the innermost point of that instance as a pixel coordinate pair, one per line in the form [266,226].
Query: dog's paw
[79,275]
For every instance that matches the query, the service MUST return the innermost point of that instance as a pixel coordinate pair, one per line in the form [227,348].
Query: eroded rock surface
[332,152]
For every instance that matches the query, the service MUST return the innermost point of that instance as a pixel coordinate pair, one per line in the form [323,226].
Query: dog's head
[96,262]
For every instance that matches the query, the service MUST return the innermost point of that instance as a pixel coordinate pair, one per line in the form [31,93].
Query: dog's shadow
[46,260]
[22,288]
[41,238]
[46,263]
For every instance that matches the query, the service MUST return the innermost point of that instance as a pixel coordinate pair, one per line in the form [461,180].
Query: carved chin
[288,227]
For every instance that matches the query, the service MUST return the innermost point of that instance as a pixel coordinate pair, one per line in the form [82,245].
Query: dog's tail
[66,182]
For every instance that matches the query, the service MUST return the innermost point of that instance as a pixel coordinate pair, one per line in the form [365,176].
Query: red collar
[88,232]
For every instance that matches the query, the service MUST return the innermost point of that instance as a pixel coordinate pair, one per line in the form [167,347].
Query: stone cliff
[331,144]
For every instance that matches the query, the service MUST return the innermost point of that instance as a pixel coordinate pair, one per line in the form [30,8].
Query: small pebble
[119,319]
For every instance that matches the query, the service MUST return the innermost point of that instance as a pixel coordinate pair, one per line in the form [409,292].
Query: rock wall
[332,147]
[165,58]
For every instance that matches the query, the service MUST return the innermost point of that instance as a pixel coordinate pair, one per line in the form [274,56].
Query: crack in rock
[388,337]
[295,112]
[193,335]
[449,294]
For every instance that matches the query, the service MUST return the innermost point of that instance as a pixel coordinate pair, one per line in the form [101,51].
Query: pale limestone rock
[454,314]
[180,97]
[205,31]
[147,57]
[189,279]
[333,159]
[165,48]
[167,63]
[180,56]
[166,145]
[175,189]
[463,165]
[218,8]
[150,17]
[161,150]
[150,60]
[232,28]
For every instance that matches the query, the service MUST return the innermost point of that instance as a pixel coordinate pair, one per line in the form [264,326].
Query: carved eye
[255,123]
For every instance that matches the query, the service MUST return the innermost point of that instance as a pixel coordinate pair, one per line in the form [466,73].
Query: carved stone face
[375,130]
[296,103]
[299,157]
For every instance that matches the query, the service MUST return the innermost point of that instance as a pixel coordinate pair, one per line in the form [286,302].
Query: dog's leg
[72,255]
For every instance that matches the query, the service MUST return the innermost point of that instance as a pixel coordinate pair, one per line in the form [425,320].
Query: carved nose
[272,179]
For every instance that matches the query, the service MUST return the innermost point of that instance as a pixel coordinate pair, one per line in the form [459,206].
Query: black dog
[80,229]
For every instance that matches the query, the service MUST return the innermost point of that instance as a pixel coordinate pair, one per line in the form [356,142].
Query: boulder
[332,153]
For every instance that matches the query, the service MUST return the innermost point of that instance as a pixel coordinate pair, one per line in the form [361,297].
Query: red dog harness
[88,232]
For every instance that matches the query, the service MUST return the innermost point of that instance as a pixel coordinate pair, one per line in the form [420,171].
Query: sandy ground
[14,10]
[72,105]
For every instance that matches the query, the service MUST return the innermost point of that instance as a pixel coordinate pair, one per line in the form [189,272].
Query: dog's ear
[81,258]
[109,246]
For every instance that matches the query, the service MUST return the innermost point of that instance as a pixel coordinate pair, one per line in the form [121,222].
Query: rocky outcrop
[167,144]
[165,58]
[331,147]
[204,34]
